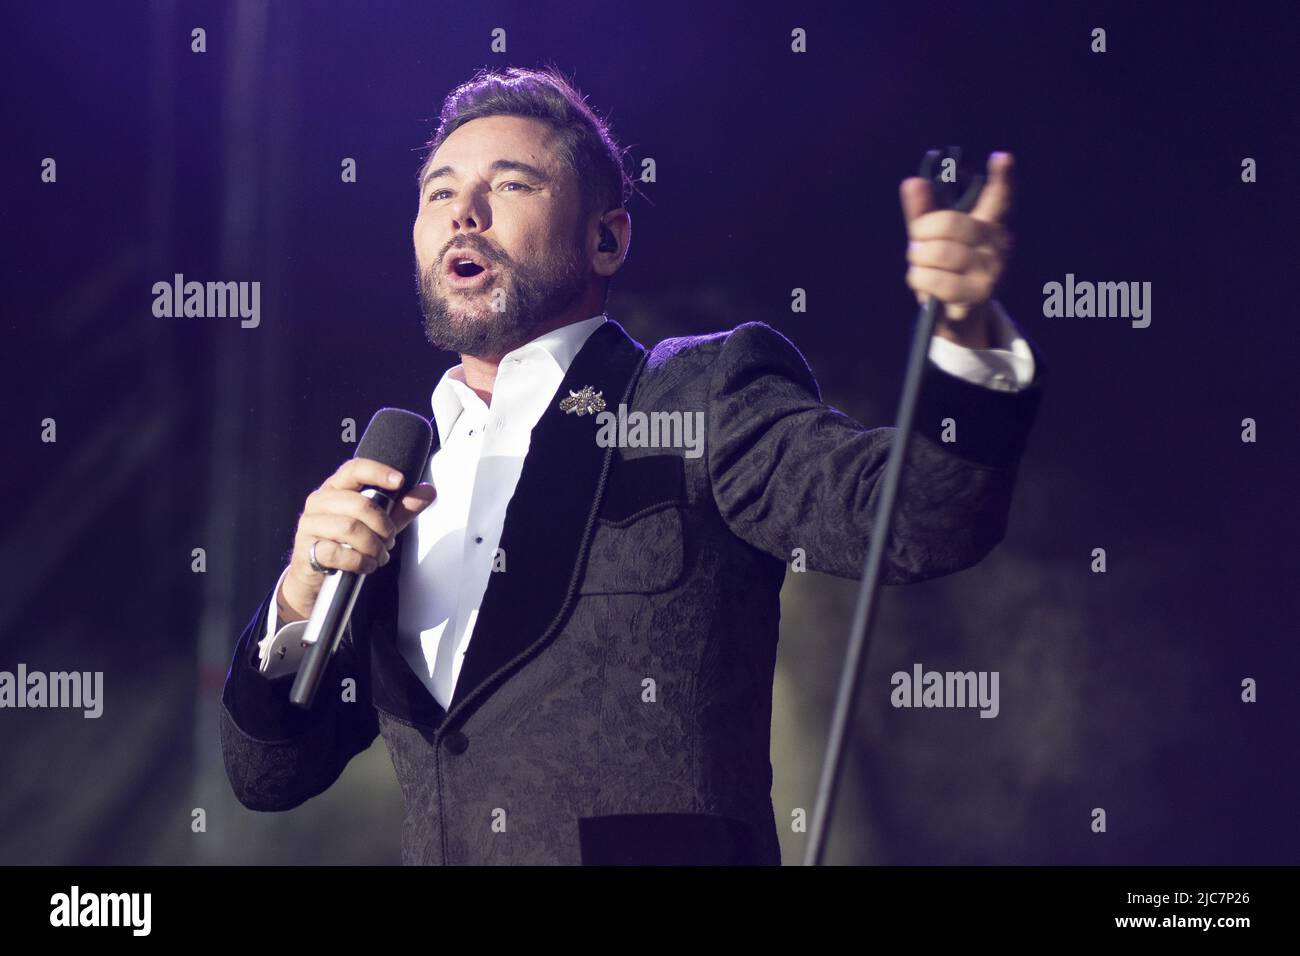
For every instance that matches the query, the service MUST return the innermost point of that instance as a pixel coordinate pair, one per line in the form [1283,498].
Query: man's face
[495,192]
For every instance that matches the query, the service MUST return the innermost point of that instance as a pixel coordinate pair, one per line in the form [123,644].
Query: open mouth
[464,264]
[466,272]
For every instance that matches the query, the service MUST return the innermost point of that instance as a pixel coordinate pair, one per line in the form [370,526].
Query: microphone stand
[864,615]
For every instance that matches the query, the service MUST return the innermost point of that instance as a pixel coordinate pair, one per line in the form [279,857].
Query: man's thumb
[412,503]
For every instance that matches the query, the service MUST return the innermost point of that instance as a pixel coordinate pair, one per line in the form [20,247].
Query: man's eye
[437,193]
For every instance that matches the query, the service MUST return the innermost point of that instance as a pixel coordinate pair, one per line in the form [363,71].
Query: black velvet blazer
[615,702]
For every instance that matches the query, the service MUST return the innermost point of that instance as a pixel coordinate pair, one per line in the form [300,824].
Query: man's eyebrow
[498,166]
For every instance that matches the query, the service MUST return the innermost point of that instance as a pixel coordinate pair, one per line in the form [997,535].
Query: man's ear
[613,235]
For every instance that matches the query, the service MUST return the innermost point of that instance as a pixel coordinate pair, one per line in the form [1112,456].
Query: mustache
[488,252]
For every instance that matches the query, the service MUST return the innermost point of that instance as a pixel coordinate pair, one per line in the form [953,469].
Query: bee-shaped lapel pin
[585,402]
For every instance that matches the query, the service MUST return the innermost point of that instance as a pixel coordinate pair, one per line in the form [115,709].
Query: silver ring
[311,559]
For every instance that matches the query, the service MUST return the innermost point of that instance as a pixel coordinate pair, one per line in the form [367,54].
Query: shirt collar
[557,346]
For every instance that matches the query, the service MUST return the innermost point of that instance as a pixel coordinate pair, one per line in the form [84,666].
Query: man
[567,646]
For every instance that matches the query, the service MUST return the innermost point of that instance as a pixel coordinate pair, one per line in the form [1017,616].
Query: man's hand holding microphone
[351,532]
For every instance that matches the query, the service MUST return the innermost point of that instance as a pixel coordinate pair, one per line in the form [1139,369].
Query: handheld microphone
[402,440]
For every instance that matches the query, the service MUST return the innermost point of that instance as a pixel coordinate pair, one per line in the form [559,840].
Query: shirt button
[478,539]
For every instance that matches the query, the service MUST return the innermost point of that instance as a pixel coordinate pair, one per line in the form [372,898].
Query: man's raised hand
[959,257]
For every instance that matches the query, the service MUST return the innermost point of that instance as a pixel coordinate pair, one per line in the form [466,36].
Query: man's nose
[468,213]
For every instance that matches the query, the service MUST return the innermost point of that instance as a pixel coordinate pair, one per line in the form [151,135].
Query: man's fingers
[415,501]
[356,473]
[954,257]
[951,288]
[917,195]
[354,505]
[945,254]
[994,201]
[958,227]
[332,554]
[341,529]
[349,558]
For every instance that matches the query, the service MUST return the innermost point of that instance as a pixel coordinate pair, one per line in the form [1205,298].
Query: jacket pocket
[637,545]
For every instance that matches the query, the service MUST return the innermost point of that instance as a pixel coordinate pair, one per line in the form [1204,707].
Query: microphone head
[400,439]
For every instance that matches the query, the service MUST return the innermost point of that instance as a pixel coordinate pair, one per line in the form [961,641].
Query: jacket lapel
[549,517]
[547,525]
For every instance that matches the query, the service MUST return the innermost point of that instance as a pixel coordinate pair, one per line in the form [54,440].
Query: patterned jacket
[615,703]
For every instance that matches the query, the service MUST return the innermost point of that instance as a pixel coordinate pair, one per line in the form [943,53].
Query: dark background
[775,170]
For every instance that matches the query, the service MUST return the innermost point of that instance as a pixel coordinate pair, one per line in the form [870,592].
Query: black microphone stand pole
[864,616]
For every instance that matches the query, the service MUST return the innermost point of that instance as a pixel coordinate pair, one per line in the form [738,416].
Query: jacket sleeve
[277,755]
[789,471]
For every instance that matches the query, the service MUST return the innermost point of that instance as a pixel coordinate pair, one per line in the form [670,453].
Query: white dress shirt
[448,558]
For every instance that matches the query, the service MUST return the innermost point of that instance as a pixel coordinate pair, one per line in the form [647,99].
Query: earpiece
[607,241]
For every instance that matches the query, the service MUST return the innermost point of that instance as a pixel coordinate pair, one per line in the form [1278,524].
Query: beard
[467,320]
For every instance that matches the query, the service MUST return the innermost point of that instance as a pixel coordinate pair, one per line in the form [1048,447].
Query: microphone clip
[943,169]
